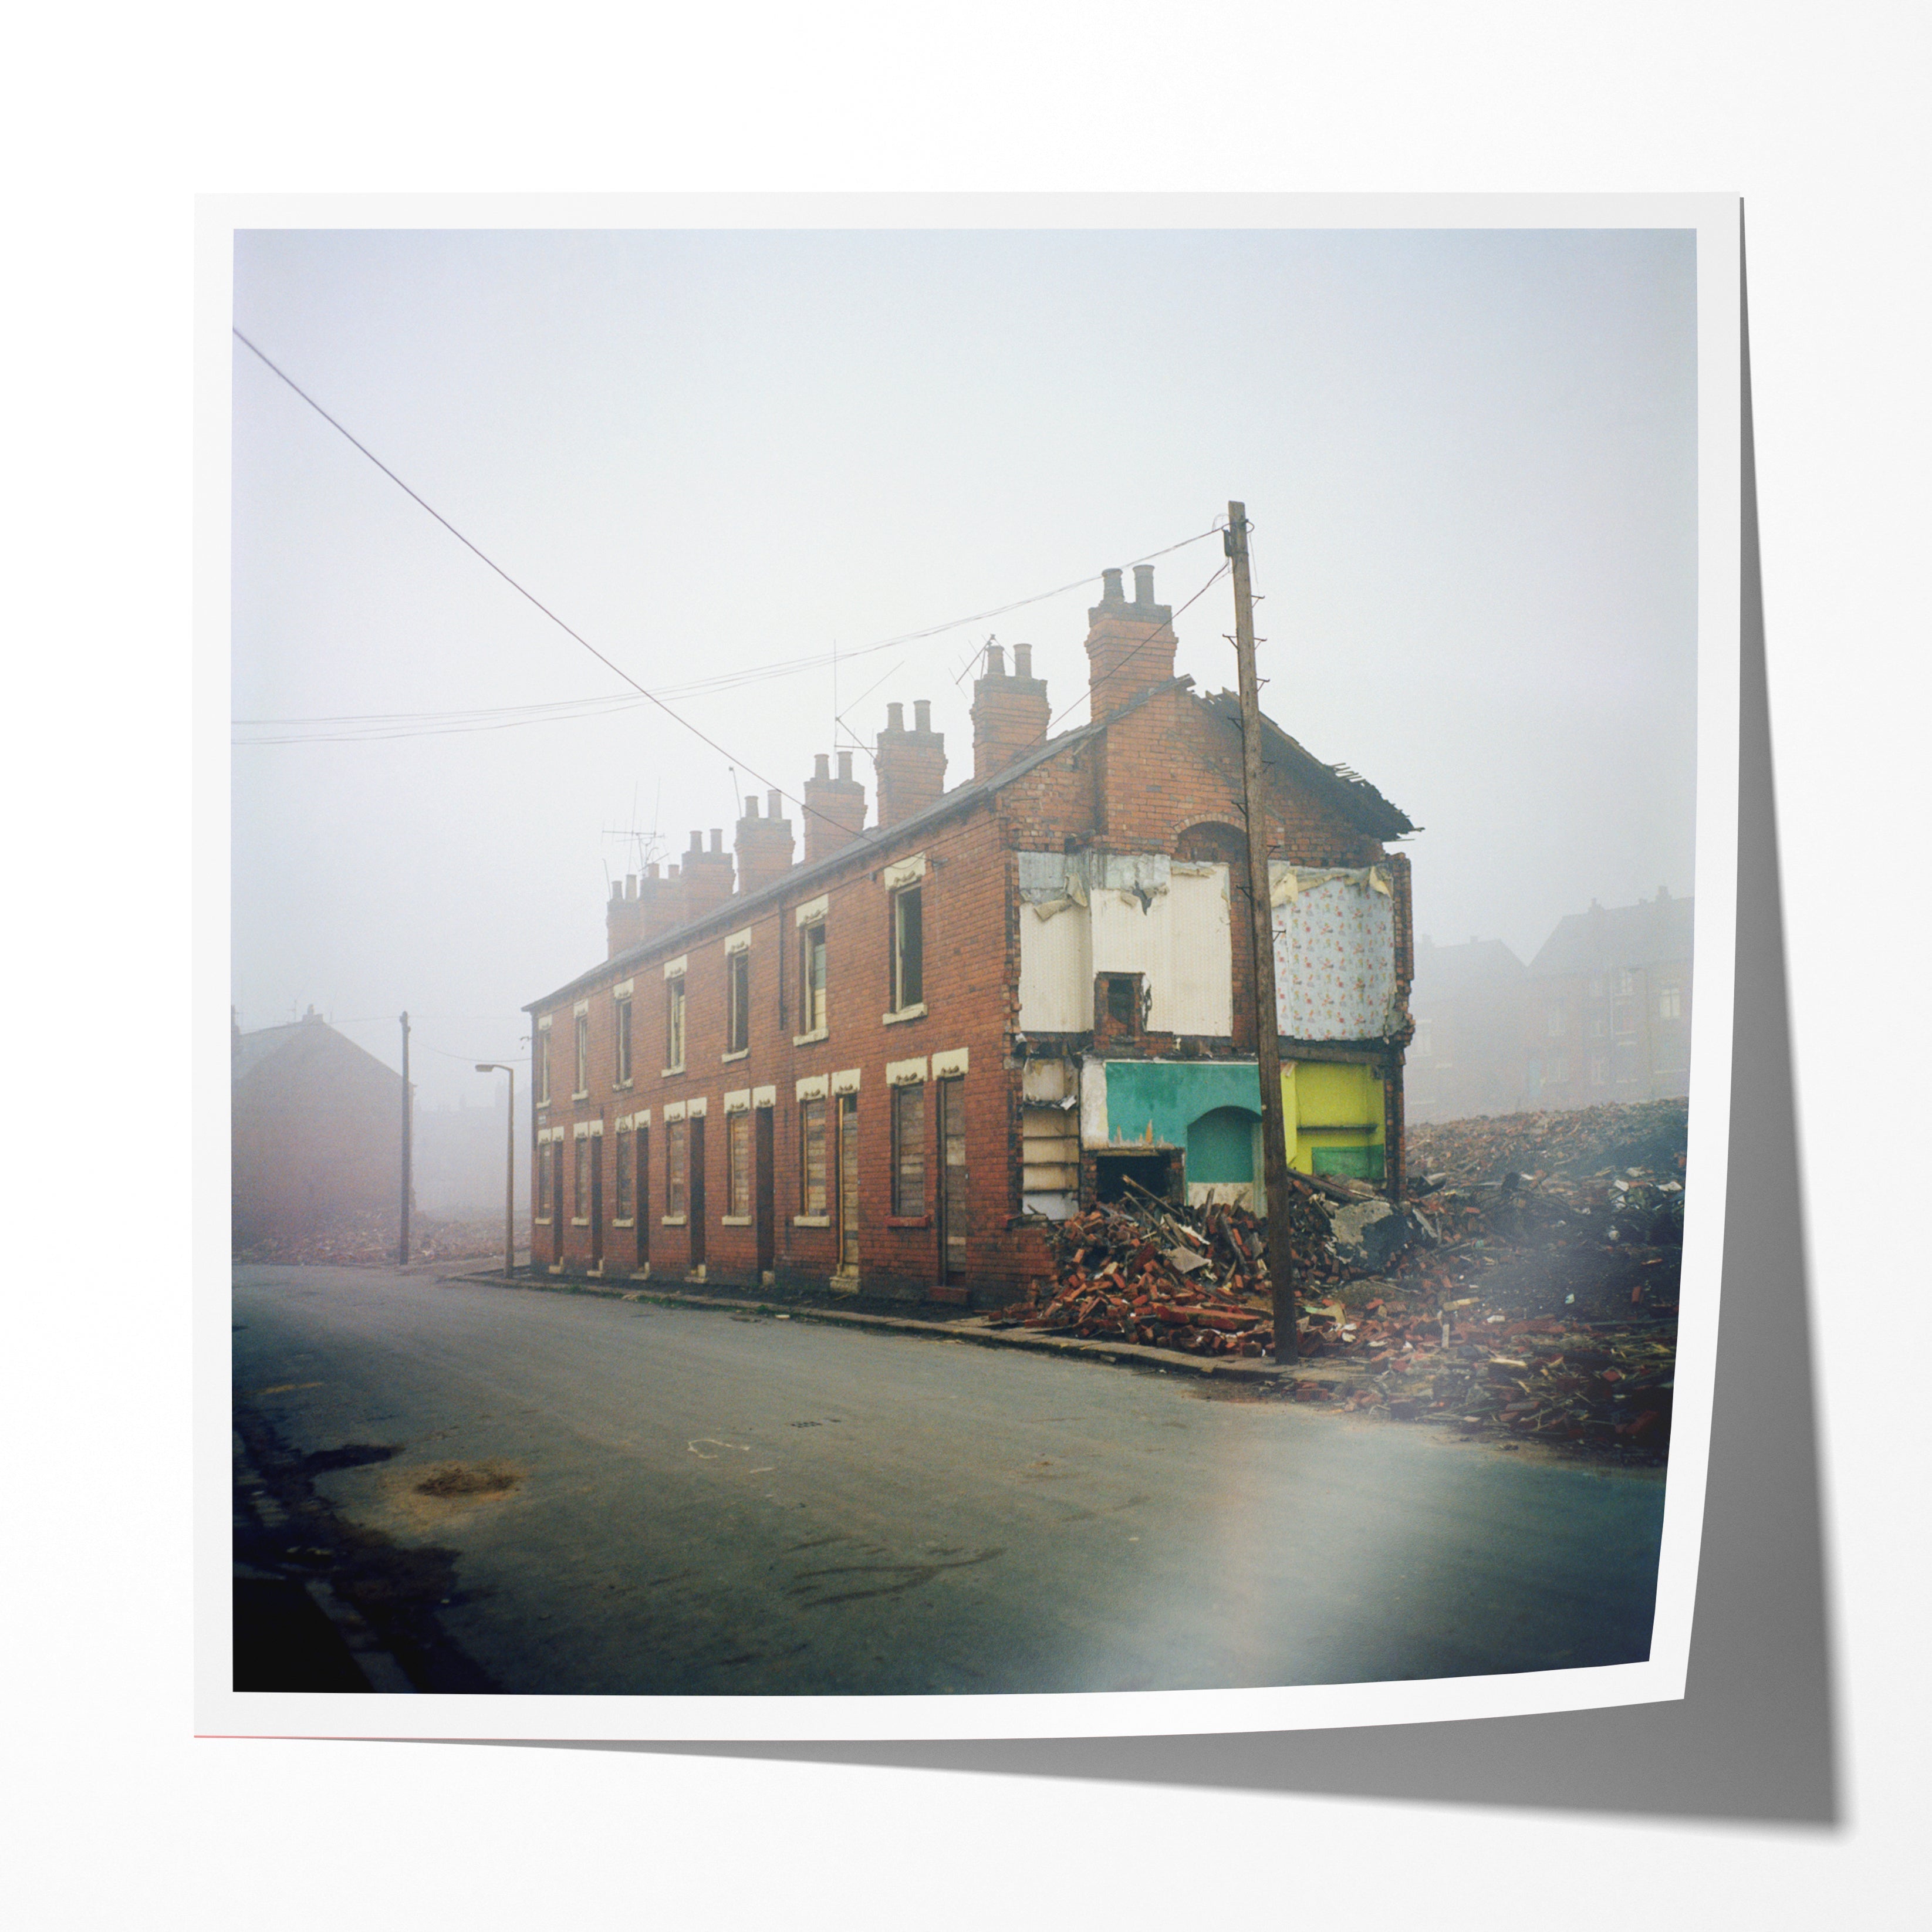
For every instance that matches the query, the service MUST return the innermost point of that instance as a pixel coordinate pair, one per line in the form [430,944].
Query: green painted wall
[1333,1111]
[1222,1145]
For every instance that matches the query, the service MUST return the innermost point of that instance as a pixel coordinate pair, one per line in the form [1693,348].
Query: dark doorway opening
[644,1198]
[597,1202]
[1155,1171]
[697,1214]
[764,1186]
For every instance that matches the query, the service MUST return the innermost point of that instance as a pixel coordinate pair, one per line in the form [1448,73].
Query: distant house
[316,1132]
[1468,1054]
[1609,999]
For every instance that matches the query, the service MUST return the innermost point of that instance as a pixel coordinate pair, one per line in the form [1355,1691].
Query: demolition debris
[1528,1288]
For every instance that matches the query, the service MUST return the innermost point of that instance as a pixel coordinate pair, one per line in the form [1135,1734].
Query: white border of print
[220,1711]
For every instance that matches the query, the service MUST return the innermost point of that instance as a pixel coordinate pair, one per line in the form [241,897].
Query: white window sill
[674,1220]
[666,1072]
[582,1094]
[904,1014]
[811,1220]
[734,1220]
[580,1220]
[624,1221]
[541,1220]
[743,1053]
[623,1086]
[806,1038]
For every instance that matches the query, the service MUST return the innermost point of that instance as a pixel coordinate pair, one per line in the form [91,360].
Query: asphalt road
[589,1496]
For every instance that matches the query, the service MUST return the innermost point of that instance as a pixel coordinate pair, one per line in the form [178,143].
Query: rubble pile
[368,1240]
[1528,1287]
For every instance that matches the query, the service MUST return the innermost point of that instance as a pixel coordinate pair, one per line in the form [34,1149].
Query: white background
[114,121]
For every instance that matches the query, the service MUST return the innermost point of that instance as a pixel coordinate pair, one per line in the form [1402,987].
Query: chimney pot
[751,806]
[617,888]
[651,872]
[697,841]
[774,804]
[1110,587]
[1022,660]
[1143,583]
[823,768]
[996,659]
[845,764]
[717,839]
[630,885]
[922,714]
[895,718]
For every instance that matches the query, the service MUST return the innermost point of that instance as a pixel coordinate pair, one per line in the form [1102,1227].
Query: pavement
[577,1492]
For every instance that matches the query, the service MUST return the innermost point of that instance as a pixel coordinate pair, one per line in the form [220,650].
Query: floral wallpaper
[1334,955]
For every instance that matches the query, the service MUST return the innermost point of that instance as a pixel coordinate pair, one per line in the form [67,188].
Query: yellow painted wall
[1329,1103]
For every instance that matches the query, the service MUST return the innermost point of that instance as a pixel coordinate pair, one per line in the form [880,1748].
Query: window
[811,1006]
[677,1168]
[738,1002]
[579,1198]
[1597,1026]
[543,1067]
[1599,1071]
[908,949]
[1625,1020]
[811,1156]
[674,1027]
[1626,983]
[1118,998]
[624,1041]
[582,1086]
[738,1162]
[1553,1023]
[626,1208]
[909,1151]
[1670,1004]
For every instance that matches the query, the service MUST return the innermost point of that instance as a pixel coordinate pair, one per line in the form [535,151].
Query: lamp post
[509,1166]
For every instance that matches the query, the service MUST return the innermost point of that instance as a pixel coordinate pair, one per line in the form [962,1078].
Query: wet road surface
[583,1495]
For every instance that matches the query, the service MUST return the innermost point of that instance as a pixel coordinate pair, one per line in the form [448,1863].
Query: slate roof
[1358,800]
[1653,932]
[252,1051]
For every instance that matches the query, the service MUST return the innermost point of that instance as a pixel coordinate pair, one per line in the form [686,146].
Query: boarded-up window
[677,1166]
[811,1156]
[738,1149]
[909,1150]
[624,1041]
[624,1204]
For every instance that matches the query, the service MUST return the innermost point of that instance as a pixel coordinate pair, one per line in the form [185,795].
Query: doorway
[951,1181]
[848,1185]
[697,1213]
[596,1159]
[643,1173]
[764,1209]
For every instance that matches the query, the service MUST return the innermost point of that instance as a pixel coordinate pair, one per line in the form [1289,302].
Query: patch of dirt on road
[423,1494]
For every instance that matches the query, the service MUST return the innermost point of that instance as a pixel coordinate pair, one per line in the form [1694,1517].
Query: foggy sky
[1469,458]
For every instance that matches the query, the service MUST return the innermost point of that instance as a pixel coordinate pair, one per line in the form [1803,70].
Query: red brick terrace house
[317,1132]
[886,1068]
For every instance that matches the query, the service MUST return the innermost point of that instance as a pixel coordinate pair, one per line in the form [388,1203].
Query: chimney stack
[834,808]
[1130,646]
[911,765]
[707,874]
[764,846]
[1009,714]
[641,909]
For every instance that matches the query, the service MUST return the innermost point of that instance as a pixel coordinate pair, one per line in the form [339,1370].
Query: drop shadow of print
[1755,1737]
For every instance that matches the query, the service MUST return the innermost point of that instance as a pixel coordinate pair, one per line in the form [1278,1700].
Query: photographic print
[979,959]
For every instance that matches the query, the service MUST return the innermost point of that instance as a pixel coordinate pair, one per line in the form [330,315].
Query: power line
[446,722]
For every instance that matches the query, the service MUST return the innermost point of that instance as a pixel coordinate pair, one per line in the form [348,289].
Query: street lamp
[509,1167]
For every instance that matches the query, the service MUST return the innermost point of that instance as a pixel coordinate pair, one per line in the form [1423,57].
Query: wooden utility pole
[403,1241]
[509,1167]
[1282,1282]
